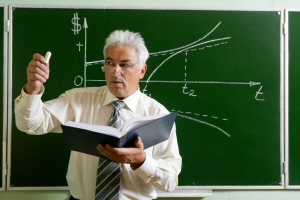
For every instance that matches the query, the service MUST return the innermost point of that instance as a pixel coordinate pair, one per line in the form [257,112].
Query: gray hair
[130,39]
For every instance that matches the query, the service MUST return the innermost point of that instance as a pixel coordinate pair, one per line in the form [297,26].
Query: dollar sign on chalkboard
[77,26]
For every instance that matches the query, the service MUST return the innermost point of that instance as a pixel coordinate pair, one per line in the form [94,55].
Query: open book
[86,137]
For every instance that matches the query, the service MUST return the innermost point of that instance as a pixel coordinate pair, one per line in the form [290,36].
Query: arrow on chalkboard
[250,83]
[85,24]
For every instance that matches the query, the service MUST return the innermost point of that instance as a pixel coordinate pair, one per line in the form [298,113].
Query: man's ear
[143,71]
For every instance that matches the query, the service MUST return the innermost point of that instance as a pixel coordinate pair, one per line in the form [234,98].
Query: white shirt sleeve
[162,168]
[35,117]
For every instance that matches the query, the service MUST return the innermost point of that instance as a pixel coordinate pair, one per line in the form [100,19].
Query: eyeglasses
[124,66]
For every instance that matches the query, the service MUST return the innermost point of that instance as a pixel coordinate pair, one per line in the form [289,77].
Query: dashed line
[201,48]
[205,123]
[203,115]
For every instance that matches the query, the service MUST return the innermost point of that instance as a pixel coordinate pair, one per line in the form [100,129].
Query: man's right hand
[37,74]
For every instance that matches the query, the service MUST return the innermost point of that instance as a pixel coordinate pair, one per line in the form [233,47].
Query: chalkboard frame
[191,188]
[288,184]
[4,96]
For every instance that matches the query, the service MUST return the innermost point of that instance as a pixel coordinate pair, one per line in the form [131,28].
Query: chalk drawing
[187,85]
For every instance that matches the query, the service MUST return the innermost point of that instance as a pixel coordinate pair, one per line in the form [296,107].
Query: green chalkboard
[220,69]
[3,100]
[294,95]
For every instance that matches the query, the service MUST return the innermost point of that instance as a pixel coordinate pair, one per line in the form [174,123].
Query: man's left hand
[134,156]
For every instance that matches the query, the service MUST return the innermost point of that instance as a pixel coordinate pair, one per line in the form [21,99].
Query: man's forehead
[121,53]
[123,60]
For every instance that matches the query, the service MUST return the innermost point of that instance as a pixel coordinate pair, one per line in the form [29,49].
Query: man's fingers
[38,71]
[40,58]
[139,143]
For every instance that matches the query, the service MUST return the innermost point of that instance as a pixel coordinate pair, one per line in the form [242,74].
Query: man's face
[123,82]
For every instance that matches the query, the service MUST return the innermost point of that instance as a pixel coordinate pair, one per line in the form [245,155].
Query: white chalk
[47,56]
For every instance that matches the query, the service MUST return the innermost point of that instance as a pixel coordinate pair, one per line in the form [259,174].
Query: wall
[201,4]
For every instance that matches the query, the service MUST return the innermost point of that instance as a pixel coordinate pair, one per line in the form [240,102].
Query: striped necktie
[108,174]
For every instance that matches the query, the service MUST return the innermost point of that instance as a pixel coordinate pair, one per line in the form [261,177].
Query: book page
[107,130]
[136,122]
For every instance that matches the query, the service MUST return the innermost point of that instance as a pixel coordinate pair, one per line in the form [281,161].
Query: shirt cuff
[147,170]
[31,99]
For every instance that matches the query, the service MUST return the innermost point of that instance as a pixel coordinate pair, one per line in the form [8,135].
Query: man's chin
[118,92]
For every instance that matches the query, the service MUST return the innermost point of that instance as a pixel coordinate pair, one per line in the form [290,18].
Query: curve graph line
[205,123]
[176,49]
[182,49]
[202,43]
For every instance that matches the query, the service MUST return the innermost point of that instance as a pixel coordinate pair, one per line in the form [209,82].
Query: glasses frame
[124,67]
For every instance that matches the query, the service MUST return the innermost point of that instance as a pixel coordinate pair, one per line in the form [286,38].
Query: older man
[142,170]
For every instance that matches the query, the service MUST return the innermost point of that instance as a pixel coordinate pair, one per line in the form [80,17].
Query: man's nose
[117,69]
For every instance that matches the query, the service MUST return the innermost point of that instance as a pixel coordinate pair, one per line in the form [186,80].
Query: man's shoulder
[77,94]
[152,104]
[86,90]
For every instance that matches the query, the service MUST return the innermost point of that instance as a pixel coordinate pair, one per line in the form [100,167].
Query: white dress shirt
[92,105]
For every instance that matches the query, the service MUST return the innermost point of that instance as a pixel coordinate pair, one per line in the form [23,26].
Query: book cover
[85,138]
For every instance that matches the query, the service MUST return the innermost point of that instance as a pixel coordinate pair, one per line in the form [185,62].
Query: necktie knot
[115,119]
[118,104]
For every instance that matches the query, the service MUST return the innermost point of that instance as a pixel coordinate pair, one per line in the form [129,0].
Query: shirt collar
[131,101]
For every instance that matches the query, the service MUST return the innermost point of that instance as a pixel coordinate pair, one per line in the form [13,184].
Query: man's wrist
[134,166]
[27,89]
